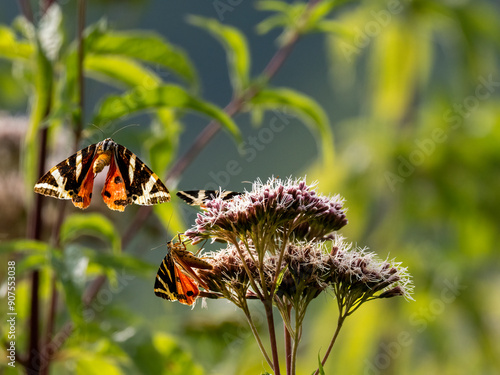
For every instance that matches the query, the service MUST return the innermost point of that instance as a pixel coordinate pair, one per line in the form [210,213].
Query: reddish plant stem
[288,343]
[34,232]
[79,69]
[268,305]
[334,338]
[49,334]
[26,9]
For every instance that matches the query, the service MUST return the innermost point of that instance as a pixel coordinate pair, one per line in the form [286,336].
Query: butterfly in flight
[201,197]
[128,181]
[176,279]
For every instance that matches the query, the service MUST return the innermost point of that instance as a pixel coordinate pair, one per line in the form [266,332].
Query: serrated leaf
[305,107]
[11,48]
[144,46]
[166,96]
[236,47]
[95,225]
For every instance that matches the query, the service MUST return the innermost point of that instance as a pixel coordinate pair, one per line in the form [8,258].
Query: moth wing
[72,178]
[143,185]
[114,192]
[165,282]
[201,197]
[187,290]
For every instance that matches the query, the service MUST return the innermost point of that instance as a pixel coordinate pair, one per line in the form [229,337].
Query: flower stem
[288,343]
[256,335]
[340,322]
[247,270]
[268,305]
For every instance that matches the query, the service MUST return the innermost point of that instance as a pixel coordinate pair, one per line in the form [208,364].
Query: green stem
[247,270]
[256,334]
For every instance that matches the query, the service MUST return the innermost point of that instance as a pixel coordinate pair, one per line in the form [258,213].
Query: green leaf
[11,48]
[320,367]
[319,12]
[123,70]
[144,46]
[305,107]
[41,96]
[236,46]
[271,23]
[72,293]
[35,254]
[171,216]
[122,263]
[96,364]
[161,152]
[50,33]
[95,225]
[273,6]
[286,16]
[166,96]
[20,246]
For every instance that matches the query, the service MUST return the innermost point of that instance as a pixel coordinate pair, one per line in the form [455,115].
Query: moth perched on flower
[290,208]
[283,249]
[176,279]
[128,181]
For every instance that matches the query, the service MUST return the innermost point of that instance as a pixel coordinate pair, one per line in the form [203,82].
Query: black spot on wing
[77,199]
[107,194]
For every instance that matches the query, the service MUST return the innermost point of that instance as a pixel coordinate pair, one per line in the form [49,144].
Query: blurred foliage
[416,156]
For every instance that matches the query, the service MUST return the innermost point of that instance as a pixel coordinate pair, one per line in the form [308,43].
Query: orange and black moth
[128,181]
[201,197]
[176,280]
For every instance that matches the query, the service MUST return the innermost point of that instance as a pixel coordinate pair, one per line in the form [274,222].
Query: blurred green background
[411,91]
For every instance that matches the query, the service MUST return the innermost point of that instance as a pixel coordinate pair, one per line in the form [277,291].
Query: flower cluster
[279,252]
[275,209]
[307,269]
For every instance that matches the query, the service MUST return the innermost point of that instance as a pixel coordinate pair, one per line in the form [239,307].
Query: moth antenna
[125,127]
[156,247]
[90,134]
